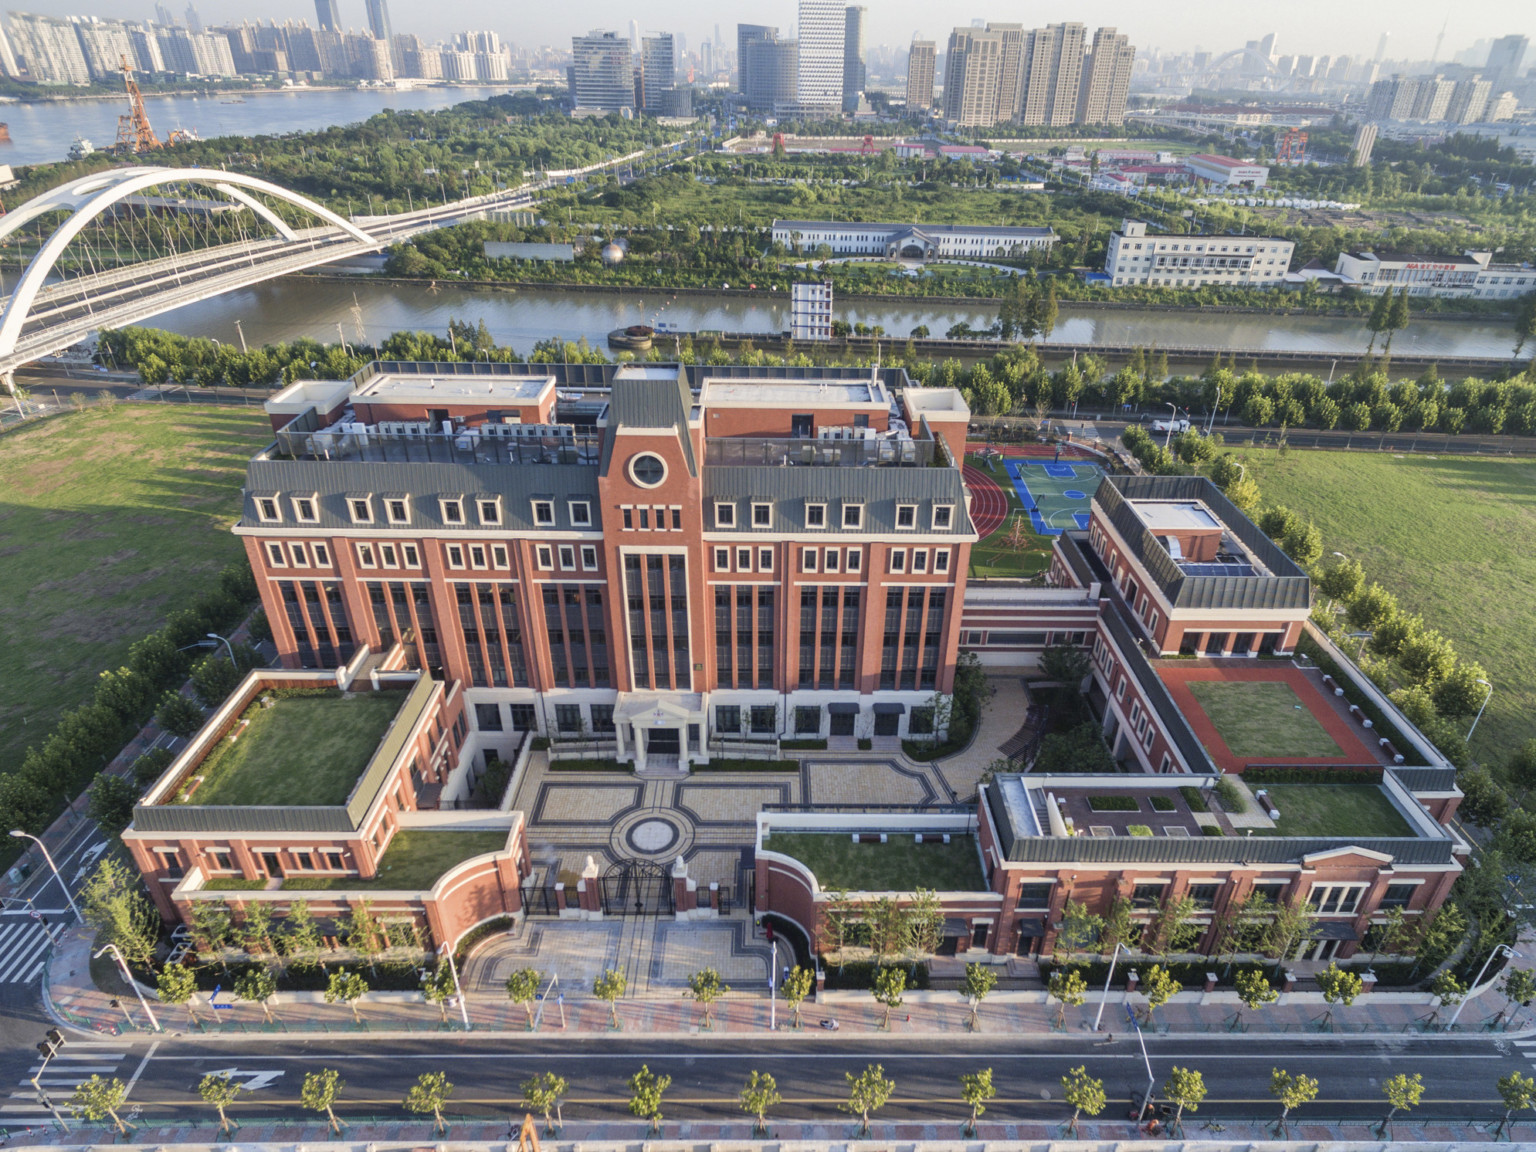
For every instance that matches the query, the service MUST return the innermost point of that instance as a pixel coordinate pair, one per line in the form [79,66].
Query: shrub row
[1113,803]
[1262,776]
[859,975]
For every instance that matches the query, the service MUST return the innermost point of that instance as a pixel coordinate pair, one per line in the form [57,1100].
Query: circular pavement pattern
[652,836]
[1074,494]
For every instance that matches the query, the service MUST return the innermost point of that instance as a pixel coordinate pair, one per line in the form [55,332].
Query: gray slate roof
[878,489]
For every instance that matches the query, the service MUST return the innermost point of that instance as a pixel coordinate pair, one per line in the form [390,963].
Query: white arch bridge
[45,314]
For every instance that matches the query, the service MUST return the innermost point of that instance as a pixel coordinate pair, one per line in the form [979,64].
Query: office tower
[634,36]
[767,67]
[1053,75]
[50,48]
[1381,47]
[853,56]
[1506,60]
[194,21]
[328,13]
[1365,141]
[819,76]
[602,72]
[972,68]
[750,34]
[378,21]
[658,71]
[163,16]
[1106,79]
[920,63]
[1469,101]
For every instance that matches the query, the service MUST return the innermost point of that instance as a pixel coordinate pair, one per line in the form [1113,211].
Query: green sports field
[1454,538]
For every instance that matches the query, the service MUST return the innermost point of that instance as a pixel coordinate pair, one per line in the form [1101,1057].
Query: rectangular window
[488,717]
[455,555]
[853,559]
[722,559]
[387,557]
[499,556]
[677,518]
[762,515]
[567,557]
[743,559]
[1397,896]
[765,719]
[1204,895]
[300,555]
[490,511]
[365,556]
[725,515]
[322,555]
[629,518]
[453,511]
[853,515]
[398,509]
[411,556]
[919,559]
[906,515]
[275,555]
[807,720]
[1147,895]
[477,555]
[727,719]
[602,717]
[581,514]
[361,509]
[524,718]
[544,556]
[544,513]
[645,519]
[1034,896]
[941,559]
[568,717]
[829,561]
[589,557]
[765,559]
[305,509]
[807,559]
[266,510]
[943,515]
[898,560]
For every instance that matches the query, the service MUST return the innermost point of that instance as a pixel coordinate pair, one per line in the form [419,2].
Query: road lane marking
[885,1056]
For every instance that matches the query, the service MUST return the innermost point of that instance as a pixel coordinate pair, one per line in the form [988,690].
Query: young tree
[1292,1092]
[179,715]
[1158,986]
[924,914]
[867,1094]
[1078,931]
[1448,990]
[98,1099]
[523,988]
[1377,322]
[544,1094]
[1255,991]
[705,988]
[111,803]
[319,1094]
[1184,1088]
[1066,987]
[1519,988]
[1518,1093]
[1174,928]
[1083,1093]
[889,984]
[609,987]
[256,929]
[221,1092]
[346,988]
[1397,318]
[430,1094]
[365,936]
[258,985]
[1403,1093]
[976,1089]
[211,928]
[177,984]
[645,1091]
[438,987]
[979,981]
[760,1094]
[1525,323]
[796,987]
[1340,581]
[300,940]
[113,903]
[1338,987]
[1290,928]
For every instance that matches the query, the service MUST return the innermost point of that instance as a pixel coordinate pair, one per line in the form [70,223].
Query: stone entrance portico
[660,730]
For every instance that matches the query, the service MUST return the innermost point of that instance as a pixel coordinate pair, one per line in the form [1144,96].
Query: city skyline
[1415,25]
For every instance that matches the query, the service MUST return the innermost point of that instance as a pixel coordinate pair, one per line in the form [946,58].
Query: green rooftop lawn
[302,750]
[412,862]
[899,865]
[1334,810]
[1263,718]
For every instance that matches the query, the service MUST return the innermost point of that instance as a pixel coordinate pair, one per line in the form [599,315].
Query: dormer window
[398,509]
[815,515]
[906,515]
[762,515]
[490,512]
[267,510]
[544,513]
[853,515]
[943,516]
[453,510]
[725,515]
[360,508]
[581,514]
[306,509]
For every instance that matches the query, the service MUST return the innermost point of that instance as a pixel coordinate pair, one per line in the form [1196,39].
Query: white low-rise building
[1226,171]
[912,241]
[1186,261]
[1470,276]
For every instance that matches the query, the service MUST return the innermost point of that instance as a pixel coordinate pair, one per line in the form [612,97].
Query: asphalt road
[708,1073]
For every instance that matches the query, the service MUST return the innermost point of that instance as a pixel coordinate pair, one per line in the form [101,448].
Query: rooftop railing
[580,447]
[795,452]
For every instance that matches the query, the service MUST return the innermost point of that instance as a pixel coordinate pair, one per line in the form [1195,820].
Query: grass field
[302,750]
[1453,538]
[1334,810]
[109,519]
[994,556]
[896,866]
[1262,718]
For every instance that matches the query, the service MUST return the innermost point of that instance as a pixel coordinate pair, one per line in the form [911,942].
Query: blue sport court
[1054,493]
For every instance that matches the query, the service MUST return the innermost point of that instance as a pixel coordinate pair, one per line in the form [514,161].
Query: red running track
[989,505]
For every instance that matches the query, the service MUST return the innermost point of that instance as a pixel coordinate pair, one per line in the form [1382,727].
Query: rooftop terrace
[413,861]
[830,393]
[899,865]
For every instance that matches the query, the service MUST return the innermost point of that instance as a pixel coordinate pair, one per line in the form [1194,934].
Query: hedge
[1113,804]
[1262,776]
[859,975]
[1195,798]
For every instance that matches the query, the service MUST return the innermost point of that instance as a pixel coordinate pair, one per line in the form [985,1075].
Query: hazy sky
[1307,26]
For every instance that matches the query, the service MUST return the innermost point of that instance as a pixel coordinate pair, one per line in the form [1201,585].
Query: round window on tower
[647,470]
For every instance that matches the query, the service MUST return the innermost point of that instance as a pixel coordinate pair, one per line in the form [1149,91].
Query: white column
[682,746]
[618,735]
[640,743]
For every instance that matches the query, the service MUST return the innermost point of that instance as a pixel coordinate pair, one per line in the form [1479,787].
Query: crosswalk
[65,1072]
[1527,1048]
[23,948]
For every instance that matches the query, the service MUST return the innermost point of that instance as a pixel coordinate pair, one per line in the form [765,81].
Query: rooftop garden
[1334,810]
[899,865]
[303,749]
[1263,718]
[413,861]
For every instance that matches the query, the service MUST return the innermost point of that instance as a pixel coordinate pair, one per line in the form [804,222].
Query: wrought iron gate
[637,888]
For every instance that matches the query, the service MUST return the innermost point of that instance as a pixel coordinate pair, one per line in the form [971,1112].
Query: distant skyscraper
[1381,47]
[820,69]
[634,36]
[1506,61]
[1053,78]
[194,21]
[7,55]
[328,13]
[853,56]
[163,16]
[378,21]
[768,67]
[920,65]
[750,34]
[50,48]
[658,70]
[602,72]
[1469,101]
[972,67]
[1106,79]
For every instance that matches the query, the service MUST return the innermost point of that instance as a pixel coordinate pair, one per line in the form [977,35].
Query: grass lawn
[993,555]
[1453,538]
[897,866]
[1334,810]
[302,750]
[111,519]
[413,861]
[1263,718]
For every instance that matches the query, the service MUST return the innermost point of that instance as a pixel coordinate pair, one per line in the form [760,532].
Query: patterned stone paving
[738,805]
[862,782]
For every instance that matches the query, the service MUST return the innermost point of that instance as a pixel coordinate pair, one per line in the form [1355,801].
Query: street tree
[179,715]
[1339,986]
[1078,931]
[645,1092]
[111,803]
[113,903]
[98,1099]
[868,1092]
[1340,581]
[438,987]
[319,1093]
[976,1089]
[760,1094]
[1519,988]
[979,981]
[1519,1094]
[889,984]
[1255,991]
[1292,1092]
[430,1093]
[1083,1093]
[924,914]
[211,928]
[705,987]
[1184,1088]
[258,985]
[256,931]
[796,987]
[523,988]
[1403,1093]
[300,938]
[608,987]
[1448,991]
[221,1091]
[1067,987]
[1397,319]
[1377,322]
[1174,928]
[177,984]
[1158,986]
[346,988]
[545,1094]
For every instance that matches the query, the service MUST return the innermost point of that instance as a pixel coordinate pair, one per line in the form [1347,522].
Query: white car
[1170,425]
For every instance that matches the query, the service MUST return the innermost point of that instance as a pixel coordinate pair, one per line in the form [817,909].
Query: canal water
[284,309]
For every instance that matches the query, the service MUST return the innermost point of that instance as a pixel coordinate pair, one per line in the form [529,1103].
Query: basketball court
[1056,494]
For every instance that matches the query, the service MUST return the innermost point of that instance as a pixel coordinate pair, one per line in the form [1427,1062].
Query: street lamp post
[228,646]
[457,987]
[132,983]
[1508,951]
[773,1001]
[1146,1101]
[1488,696]
[73,907]
[1099,1017]
[1168,435]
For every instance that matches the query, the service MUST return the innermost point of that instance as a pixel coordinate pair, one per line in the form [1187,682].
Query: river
[284,309]
[43,131]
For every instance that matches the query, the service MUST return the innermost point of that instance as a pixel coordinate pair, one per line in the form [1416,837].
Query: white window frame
[589,557]
[725,514]
[580,512]
[387,556]
[948,513]
[322,554]
[722,559]
[911,512]
[266,504]
[366,504]
[808,559]
[765,559]
[767,514]
[819,512]
[499,557]
[744,559]
[365,555]
[298,554]
[488,504]
[567,555]
[941,559]
[312,499]
[896,561]
[920,560]
[478,557]
[858,516]
[453,555]
[410,556]
[277,557]
[854,559]
[405,507]
[451,509]
[544,557]
[829,561]
[542,521]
